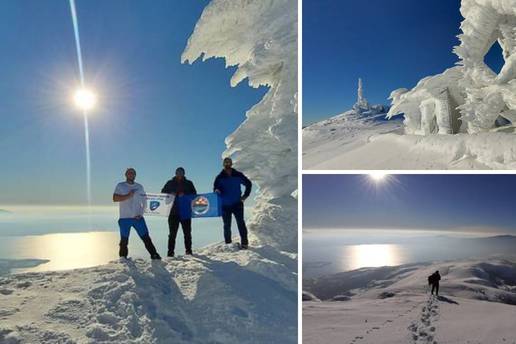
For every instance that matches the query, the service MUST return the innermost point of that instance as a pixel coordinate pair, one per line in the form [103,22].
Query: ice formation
[265,145]
[470,97]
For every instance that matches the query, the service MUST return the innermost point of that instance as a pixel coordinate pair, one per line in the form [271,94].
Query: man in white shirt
[131,198]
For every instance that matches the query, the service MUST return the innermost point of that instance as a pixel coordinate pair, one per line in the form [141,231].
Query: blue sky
[390,44]
[471,203]
[154,113]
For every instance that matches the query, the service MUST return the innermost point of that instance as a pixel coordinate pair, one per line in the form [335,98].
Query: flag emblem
[200,205]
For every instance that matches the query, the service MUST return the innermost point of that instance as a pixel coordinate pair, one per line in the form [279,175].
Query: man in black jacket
[433,280]
[179,186]
[227,185]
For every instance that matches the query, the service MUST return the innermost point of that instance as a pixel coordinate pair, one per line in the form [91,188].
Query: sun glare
[375,255]
[85,99]
[377,176]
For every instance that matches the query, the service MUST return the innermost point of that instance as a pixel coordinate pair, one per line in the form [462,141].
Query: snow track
[423,329]
[392,305]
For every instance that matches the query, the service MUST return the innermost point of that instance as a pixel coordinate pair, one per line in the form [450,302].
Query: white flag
[158,204]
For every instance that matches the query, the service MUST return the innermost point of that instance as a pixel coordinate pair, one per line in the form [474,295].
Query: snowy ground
[220,295]
[477,304]
[350,141]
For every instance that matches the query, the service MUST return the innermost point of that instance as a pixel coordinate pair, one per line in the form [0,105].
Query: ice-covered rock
[470,97]
[260,38]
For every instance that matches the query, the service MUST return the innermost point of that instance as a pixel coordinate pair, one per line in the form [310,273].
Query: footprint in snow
[423,331]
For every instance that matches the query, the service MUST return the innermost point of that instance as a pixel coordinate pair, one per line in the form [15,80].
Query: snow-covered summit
[363,107]
[491,279]
[388,305]
[219,295]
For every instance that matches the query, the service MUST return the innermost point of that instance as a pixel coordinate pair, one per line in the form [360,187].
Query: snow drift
[260,37]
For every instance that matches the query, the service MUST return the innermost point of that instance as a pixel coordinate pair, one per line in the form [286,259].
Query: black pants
[173,226]
[237,210]
[435,287]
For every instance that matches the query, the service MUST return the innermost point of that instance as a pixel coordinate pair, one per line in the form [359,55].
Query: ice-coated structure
[470,97]
[363,107]
[361,101]
[260,38]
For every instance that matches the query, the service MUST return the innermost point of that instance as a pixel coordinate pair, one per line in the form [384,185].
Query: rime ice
[469,98]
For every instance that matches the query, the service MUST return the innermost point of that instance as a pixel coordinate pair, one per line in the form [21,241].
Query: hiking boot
[123,251]
[244,246]
[171,254]
[155,256]
[189,252]
[150,246]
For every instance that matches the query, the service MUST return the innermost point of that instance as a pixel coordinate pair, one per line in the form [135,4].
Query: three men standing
[227,185]
[131,198]
[179,186]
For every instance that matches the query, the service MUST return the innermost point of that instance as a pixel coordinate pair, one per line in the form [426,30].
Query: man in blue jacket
[227,184]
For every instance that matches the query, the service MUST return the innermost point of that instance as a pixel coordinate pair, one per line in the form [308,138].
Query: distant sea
[68,237]
[323,255]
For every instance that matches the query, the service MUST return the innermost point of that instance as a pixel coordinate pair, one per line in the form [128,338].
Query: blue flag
[201,205]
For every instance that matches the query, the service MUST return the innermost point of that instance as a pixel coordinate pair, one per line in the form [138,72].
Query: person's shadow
[447,300]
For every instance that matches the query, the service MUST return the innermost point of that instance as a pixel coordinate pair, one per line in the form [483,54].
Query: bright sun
[377,176]
[85,99]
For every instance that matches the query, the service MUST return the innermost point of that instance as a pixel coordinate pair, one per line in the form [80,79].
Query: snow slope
[477,304]
[354,143]
[325,141]
[220,295]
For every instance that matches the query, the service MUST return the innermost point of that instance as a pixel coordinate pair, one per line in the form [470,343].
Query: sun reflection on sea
[360,256]
[70,250]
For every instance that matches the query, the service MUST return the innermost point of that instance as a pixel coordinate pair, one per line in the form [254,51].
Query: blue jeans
[138,224]
[236,209]
[143,232]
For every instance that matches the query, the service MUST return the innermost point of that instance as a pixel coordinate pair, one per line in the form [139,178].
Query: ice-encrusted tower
[361,103]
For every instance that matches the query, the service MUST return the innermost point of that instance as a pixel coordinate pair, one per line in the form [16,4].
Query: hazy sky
[476,203]
[154,113]
[390,44]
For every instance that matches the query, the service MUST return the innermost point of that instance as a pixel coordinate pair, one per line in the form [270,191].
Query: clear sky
[470,203]
[154,113]
[390,44]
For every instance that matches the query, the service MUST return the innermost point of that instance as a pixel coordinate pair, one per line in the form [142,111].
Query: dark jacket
[229,186]
[434,278]
[174,186]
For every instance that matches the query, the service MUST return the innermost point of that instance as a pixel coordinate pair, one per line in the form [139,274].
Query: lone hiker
[227,184]
[179,186]
[433,280]
[131,206]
